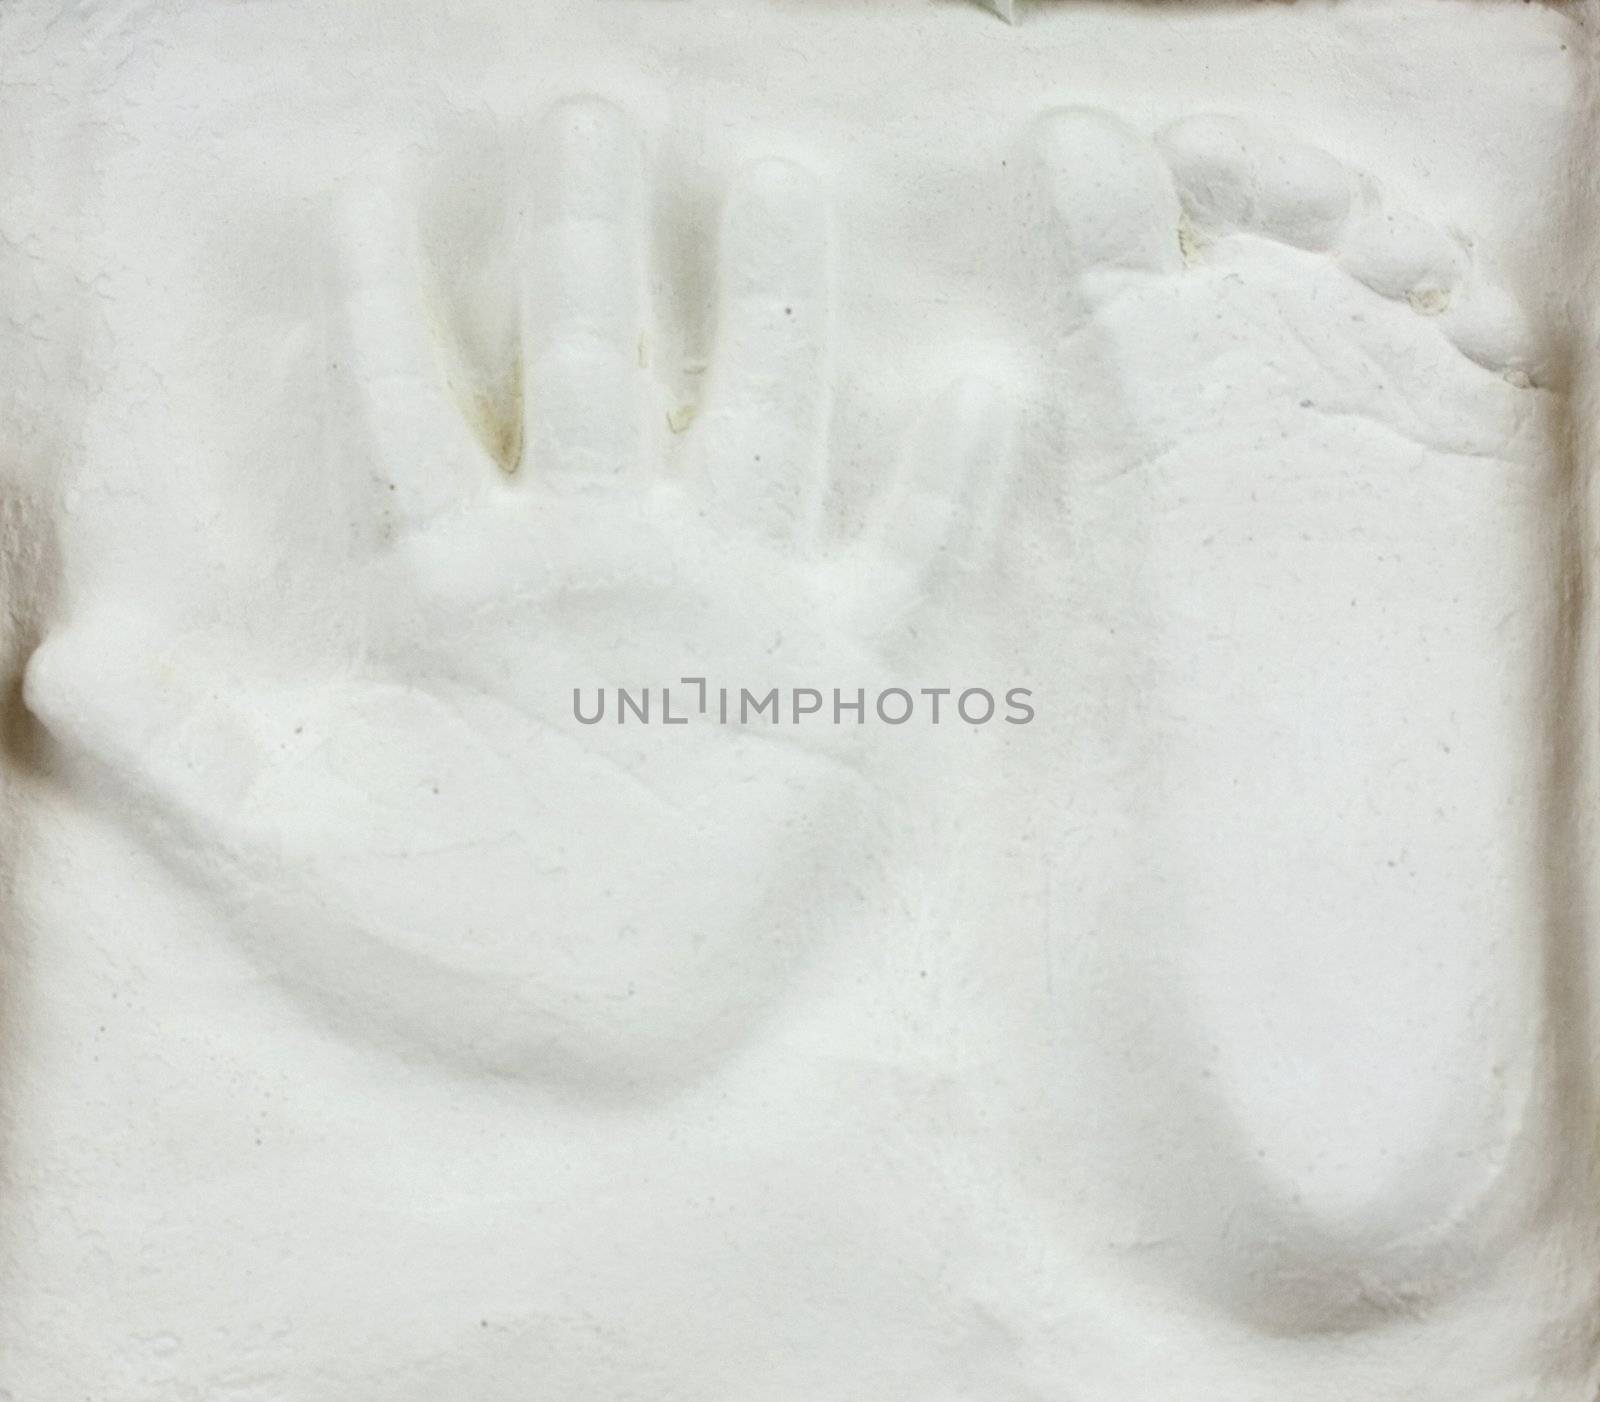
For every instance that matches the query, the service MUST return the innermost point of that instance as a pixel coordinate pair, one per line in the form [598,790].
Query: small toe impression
[945,507]
[770,396]
[584,270]
[1400,256]
[1235,177]
[1489,326]
[1110,191]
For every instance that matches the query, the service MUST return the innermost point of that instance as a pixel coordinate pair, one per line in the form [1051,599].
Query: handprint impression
[421,841]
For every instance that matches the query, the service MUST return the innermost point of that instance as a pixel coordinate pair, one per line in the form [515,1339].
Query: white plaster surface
[1217,374]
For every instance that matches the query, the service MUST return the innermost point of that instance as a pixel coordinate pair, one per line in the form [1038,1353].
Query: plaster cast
[381,1028]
